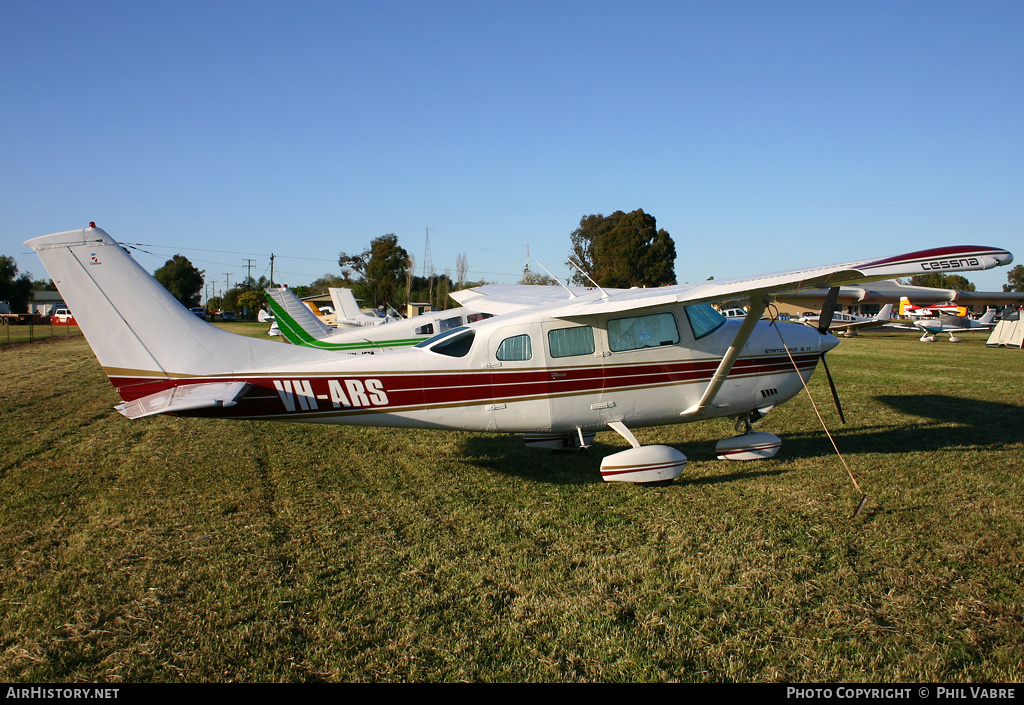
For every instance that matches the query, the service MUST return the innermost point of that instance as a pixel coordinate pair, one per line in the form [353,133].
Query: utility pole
[271,270]
[248,273]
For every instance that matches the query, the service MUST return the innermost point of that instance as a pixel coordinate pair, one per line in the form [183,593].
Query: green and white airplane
[300,326]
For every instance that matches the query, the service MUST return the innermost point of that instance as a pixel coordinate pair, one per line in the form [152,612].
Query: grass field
[185,550]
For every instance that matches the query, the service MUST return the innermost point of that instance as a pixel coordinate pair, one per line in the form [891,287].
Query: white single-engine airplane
[848,323]
[559,371]
[944,323]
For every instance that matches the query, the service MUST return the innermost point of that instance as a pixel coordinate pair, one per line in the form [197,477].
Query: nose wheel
[750,444]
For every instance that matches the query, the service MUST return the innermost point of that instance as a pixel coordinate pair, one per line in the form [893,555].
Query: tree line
[620,250]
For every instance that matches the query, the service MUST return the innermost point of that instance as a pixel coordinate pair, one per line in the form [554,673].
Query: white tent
[1008,333]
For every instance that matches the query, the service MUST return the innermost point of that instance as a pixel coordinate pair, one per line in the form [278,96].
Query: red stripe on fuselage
[419,389]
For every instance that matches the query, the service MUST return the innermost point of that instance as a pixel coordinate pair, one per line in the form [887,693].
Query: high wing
[759,290]
[590,301]
[506,298]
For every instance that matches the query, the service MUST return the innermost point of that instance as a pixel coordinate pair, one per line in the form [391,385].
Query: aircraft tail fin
[144,338]
[345,304]
[885,313]
[989,317]
[296,321]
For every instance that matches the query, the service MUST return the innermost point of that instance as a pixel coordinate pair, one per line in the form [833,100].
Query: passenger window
[639,332]
[704,319]
[566,342]
[425,330]
[517,347]
[474,317]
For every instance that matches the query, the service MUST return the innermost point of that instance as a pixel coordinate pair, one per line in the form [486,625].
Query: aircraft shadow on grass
[927,422]
[979,423]
[575,467]
[930,422]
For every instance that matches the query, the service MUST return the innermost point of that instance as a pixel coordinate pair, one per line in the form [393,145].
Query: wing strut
[757,307]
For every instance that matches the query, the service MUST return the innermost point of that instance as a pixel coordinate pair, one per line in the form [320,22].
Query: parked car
[228,316]
[199,311]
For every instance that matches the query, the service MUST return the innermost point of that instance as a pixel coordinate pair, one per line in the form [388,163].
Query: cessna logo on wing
[950,263]
[298,394]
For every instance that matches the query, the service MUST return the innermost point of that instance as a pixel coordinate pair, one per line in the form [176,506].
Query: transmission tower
[428,265]
[428,270]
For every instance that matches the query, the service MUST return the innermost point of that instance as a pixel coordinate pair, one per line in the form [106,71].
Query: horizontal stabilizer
[188,397]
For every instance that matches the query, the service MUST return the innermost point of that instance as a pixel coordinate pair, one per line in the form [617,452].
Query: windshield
[704,319]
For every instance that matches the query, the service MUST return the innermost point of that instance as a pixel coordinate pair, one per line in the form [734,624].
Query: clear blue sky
[761,135]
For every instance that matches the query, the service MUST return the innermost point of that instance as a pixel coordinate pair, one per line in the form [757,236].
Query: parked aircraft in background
[911,311]
[945,323]
[348,313]
[560,369]
[848,323]
[733,312]
[299,325]
[891,291]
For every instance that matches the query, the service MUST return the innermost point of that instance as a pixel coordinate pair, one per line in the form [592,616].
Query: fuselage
[525,373]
